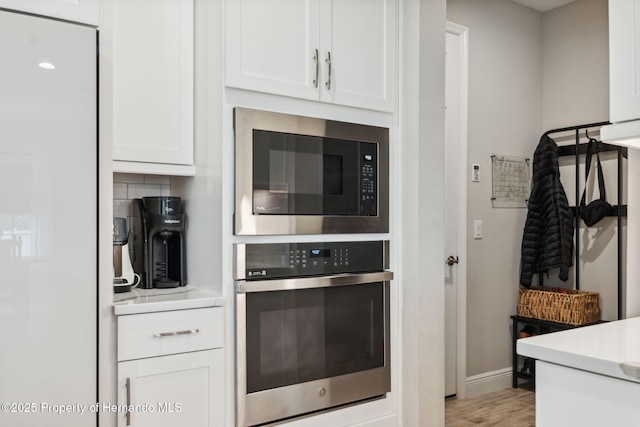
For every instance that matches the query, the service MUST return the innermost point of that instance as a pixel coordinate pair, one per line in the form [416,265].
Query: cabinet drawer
[169,332]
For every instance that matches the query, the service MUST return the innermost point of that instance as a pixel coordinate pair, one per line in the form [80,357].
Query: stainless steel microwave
[303,175]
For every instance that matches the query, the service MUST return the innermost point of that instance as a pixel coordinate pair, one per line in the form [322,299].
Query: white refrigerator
[48,222]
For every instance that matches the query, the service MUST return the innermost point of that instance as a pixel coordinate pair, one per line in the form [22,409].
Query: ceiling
[543,5]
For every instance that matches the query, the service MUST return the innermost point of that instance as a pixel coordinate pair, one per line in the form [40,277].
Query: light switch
[477,229]
[475,172]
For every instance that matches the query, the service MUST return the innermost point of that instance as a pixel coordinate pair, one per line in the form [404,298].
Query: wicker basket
[567,306]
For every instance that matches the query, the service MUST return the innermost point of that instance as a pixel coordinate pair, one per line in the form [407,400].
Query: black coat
[547,241]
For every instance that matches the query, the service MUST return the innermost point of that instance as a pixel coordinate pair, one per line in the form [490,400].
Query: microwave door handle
[244,286]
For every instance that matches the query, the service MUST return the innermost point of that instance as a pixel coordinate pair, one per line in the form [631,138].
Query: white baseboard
[489,381]
[387,421]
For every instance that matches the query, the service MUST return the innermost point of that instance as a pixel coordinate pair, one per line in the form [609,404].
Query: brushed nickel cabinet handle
[128,414]
[174,333]
[317,60]
[328,83]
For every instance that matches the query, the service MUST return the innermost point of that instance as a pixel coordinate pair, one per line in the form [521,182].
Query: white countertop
[150,300]
[604,348]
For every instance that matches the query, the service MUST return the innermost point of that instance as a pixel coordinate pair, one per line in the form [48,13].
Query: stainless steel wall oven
[303,175]
[312,327]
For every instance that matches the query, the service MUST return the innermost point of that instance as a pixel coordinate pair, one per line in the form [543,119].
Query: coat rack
[618,211]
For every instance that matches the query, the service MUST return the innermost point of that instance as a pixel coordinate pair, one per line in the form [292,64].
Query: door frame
[461,286]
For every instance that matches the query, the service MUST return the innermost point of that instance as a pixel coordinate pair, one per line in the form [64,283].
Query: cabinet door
[361,39]
[153,81]
[85,11]
[271,46]
[624,49]
[563,393]
[180,390]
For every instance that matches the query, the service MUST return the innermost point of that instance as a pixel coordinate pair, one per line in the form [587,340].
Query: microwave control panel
[368,180]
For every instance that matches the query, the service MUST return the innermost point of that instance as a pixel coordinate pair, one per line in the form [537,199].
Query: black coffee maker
[158,228]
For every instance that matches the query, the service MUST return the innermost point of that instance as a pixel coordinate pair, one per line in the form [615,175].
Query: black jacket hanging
[599,208]
[547,241]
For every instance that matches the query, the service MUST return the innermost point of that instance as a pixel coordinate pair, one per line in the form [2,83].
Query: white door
[455,205]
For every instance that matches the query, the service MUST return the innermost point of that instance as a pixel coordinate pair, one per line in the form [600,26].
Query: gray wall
[528,72]
[505,117]
[575,59]
[576,91]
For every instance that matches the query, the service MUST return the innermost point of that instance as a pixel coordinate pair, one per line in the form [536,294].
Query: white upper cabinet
[271,45]
[85,11]
[361,40]
[153,43]
[338,51]
[624,52]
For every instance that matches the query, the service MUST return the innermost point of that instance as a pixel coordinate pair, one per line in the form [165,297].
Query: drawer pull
[174,333]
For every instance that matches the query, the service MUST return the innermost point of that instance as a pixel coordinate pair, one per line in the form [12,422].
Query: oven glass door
[294,336]
[311,175]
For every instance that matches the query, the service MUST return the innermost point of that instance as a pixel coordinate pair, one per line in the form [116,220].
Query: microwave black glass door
[309,175]
[295,336]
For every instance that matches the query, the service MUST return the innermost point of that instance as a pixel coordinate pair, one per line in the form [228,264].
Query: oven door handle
[243,286]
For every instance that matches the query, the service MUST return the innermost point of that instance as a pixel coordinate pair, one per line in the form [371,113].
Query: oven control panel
[280,260]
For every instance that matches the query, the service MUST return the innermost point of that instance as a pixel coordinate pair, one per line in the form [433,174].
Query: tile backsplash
[128,186]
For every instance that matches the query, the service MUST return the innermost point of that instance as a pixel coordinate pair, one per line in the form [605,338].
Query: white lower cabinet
[157,389]
[178,390]
[574,397]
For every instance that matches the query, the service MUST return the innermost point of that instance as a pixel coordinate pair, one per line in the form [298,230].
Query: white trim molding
[461,294]
[489,381]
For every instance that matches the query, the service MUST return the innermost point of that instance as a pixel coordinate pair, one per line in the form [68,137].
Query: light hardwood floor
[511,407]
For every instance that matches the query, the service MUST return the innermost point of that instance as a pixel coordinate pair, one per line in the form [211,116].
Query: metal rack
[541,327]
[618,211]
